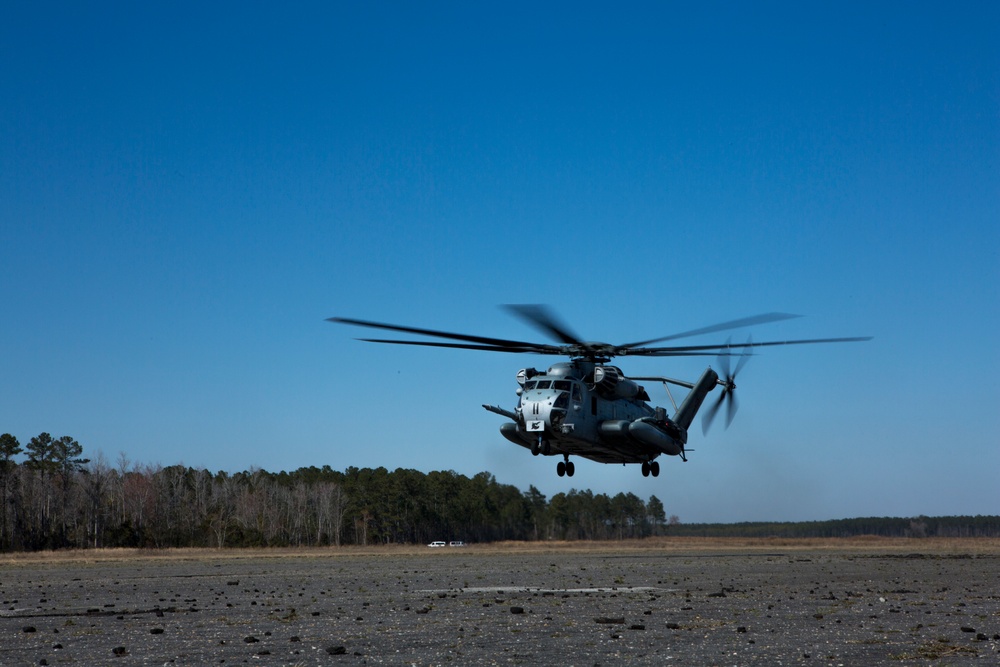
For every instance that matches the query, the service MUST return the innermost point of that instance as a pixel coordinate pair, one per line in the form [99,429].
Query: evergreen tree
[9,448]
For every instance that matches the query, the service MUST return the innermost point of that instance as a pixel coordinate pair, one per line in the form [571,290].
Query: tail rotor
[728,384]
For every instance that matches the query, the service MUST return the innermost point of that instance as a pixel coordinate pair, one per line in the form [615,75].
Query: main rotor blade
[733,324]
[534,349]
[543,319]
[483,340]
[687,349]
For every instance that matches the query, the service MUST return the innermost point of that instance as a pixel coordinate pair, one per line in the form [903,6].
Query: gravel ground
[602,606]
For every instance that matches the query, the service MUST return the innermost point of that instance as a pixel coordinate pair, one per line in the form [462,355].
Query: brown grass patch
[864,545]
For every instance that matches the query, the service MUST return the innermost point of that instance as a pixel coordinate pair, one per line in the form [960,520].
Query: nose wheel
[650,468]
[540,446]
[565,468]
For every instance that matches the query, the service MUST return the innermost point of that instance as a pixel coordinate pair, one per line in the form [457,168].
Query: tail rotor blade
[744,357]
[723,359]
[706,421]
[732,406]
[728,382]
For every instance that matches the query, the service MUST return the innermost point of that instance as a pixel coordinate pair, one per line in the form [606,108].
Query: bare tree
[97,488]
[331,505]
[222,508]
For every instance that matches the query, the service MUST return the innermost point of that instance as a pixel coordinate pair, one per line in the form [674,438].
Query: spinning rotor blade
[728,382]
[713,409]
[744,357]
[543,319]
[464,346]
[724,326]
[688,350]
[498,344]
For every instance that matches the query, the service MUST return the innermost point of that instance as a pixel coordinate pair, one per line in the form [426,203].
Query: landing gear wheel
[570,468]
[654,468]
[536,447]
[645,469]
[561,469]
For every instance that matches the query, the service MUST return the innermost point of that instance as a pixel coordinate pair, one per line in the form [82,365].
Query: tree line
[921,526]
[55,498]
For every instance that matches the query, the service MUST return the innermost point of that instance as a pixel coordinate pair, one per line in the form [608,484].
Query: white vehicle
[436,544]
[456,543]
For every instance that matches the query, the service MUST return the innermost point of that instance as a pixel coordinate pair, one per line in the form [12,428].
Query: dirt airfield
[682,601]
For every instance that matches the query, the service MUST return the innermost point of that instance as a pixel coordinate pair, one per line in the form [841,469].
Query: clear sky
[187,191]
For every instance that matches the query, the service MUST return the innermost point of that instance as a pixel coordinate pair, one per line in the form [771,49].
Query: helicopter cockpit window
[561,385]
[544,384]
[528,386]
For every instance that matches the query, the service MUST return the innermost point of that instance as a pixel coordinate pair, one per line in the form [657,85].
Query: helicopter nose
[536,415]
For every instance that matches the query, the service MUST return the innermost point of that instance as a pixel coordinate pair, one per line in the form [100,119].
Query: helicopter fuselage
[587,409]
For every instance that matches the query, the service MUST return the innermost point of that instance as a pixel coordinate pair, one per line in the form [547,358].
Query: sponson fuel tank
[645,432]
[653,435]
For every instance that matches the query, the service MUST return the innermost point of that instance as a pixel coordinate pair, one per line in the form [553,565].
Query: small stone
[966,628]
[741,629]
[517,610]
[637,626]
[156,631]
[120,651]
[673,626]
[28,628]
[336,650]
[609,620]
[250,639]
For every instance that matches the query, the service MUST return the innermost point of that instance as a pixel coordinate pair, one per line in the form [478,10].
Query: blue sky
[187,192]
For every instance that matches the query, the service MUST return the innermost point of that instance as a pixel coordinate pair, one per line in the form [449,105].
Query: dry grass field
[691,601]
[667,545]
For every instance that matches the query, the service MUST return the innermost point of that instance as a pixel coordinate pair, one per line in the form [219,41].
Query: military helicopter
[588,408]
